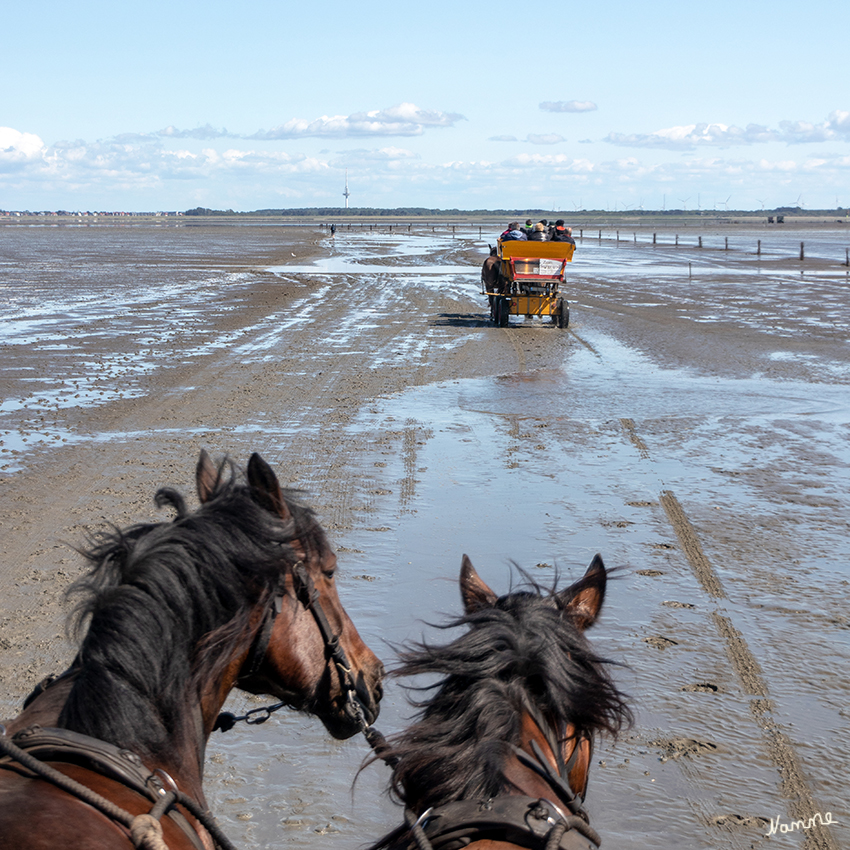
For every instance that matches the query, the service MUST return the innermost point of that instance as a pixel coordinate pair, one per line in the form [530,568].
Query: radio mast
[346,193]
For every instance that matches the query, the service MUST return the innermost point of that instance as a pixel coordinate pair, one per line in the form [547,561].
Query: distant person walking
[333,230]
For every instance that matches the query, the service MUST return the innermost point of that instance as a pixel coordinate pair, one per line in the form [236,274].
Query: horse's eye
[329,574]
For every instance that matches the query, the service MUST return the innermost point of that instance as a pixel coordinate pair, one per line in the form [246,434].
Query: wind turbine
[761,201]
[685,202]
[726,204]
[346,193]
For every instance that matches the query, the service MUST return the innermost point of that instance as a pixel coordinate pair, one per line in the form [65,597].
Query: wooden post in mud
[618,238]
[635,236]
[654,238]
[689,270]
[847,257]
[700,241]
[727,244]
[581,234]
[802,251]
[600,235]
[677,240]
[758,250]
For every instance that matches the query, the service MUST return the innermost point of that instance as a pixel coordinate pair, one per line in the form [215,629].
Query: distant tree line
[207,211]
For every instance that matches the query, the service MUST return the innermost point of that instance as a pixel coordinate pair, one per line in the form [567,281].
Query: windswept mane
[523,652]
[157,592]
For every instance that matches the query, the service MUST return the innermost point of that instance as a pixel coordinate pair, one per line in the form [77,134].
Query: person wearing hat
[560,233]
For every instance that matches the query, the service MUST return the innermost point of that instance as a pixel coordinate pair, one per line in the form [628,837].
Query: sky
[471,105]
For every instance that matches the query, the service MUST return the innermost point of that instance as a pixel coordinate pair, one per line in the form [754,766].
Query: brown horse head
[306,651]
[171,616]
[557,740]
[518,698]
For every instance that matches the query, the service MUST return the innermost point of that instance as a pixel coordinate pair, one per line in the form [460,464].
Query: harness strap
[527,821]
[99,757]
[258,649]
[559,784]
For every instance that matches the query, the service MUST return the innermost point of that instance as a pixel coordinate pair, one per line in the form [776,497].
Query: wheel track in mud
[800,801]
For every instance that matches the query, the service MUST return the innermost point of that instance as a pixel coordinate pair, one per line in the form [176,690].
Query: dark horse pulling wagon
[524,279]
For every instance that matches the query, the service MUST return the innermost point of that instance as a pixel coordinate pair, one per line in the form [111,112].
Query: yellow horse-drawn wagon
[525,280]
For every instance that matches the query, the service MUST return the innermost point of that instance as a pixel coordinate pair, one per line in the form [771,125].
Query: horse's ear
[474,593]
[583,600]
[207,477]
[266,488]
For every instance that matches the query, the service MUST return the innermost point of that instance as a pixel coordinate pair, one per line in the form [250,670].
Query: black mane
[166,605]
[523,651]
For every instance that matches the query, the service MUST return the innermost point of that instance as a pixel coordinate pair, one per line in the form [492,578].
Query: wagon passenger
[513,233]
[562,233]
[539,233]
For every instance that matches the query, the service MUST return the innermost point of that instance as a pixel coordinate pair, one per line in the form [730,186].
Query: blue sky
[610,105]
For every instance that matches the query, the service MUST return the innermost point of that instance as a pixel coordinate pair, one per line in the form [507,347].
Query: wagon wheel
[503,312]
[563,314]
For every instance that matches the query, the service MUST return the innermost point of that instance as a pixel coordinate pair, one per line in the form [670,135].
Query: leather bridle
[306,593]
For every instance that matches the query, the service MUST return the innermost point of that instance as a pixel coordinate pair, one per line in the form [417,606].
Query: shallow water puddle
[548,468]
[408,255]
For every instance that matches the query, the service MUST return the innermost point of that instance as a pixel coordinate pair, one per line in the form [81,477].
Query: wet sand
[691,425]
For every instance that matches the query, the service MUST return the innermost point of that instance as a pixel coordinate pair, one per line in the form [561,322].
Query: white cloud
[204,133]
[366,157]
[539,160]
[158,171]
[533,138]
[568,106]
[406,119]
[691,136]
[18,149]
[545,138]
